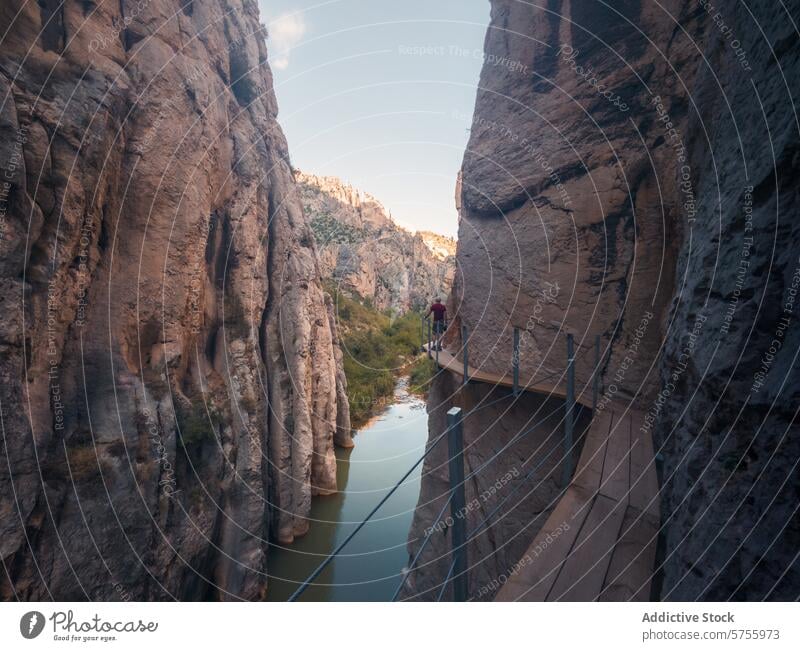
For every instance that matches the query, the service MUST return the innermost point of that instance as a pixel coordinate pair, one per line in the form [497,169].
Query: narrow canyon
[175,366]
[171,389]
[631,174]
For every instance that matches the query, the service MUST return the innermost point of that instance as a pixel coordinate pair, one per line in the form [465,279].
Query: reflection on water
[369,567]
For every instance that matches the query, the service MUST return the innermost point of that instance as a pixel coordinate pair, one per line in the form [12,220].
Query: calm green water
[369,568]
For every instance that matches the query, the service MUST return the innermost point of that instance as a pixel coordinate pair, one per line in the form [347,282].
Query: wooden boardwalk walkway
[451,363]
[599,543]
[606,551]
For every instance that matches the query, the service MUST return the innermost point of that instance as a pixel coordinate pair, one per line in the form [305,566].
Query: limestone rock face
[511,447]
[570,222]
[729,430]
[367,254]
[603,193]
[171,388]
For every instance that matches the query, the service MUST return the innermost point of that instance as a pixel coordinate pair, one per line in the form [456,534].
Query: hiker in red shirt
[439,312]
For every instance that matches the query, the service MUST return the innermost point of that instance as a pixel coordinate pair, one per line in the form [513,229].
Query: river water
[369,568]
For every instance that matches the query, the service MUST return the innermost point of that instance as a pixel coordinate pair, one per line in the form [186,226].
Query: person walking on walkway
[439,312]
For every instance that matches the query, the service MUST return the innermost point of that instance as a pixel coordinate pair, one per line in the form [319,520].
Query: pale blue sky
[358,101]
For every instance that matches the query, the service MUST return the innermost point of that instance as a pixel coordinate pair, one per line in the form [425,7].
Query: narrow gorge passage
[358,300]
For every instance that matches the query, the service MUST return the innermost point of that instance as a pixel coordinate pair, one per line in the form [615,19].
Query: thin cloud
[285,31]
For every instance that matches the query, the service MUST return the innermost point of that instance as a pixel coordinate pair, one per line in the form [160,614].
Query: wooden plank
[582,575]
[609,551]
[617,464]
[644,479]
[534,579]
[589,473]
[631,569]
[449,362]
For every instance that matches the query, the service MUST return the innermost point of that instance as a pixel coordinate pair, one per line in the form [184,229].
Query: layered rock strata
[513,461]
[171,387]
[629,176]
[365,253]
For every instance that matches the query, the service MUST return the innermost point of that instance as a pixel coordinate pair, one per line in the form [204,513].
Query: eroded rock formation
[728,428]
[513,447]
[621,155]
[170,383]
[364,252]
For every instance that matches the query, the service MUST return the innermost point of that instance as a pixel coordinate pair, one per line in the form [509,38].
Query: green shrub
[377,348]
[195,425]
[82,462]
[327,230]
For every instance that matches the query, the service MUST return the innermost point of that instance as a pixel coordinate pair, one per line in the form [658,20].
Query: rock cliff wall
[513,447]
[615,152]
[366,253]
[170,384]
[728,427]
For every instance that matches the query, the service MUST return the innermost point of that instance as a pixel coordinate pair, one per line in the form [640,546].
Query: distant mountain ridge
[367,254]
[440,245]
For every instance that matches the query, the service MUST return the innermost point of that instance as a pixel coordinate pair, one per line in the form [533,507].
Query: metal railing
[456,501]
[460,542]
[459,537]
[461,576]
[433,336]
[303,586]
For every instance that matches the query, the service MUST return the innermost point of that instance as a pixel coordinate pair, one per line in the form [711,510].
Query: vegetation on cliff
[328,230]
[378,347]
[367,254]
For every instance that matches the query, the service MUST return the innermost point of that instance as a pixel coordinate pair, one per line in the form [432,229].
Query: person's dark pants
[438,331]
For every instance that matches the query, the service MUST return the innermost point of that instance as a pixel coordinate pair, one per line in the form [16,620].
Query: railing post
[429,338]
[455,448]
[596,378]
[515,361]
[569,412]
[464,337]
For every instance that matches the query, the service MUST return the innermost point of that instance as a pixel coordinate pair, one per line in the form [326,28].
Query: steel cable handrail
[461,484]
[514,439]
[438,518]
[412,565]
[446,581]
[299,591]
[542,379]
[532,381]
[303,586]
[491,514]
[475,530]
